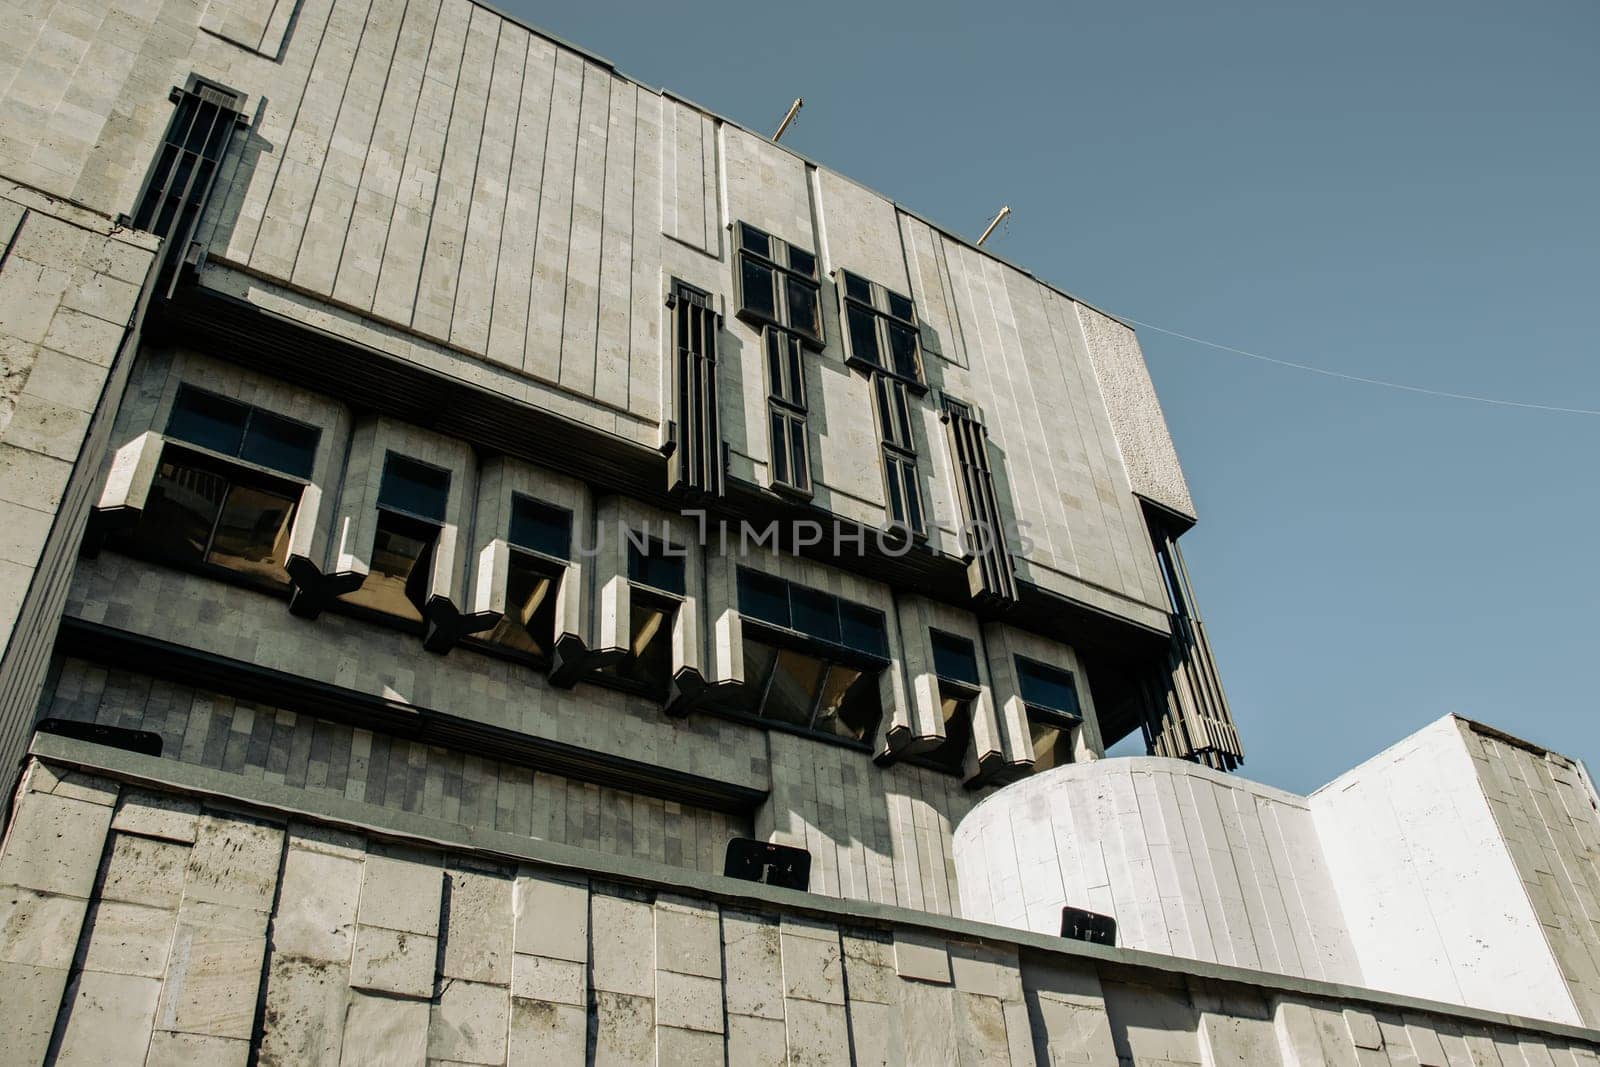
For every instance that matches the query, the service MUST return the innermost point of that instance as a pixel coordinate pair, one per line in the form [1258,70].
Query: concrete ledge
[226,789]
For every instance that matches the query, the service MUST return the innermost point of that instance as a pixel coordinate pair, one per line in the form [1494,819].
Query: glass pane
[396,550]
[952,752]
[181,510]
[649,662]
[780,448]
[763,597]
[541,527]
[913,498]
[657,566]
[901,410]
[755,240]
[850,705]
[803,307]
[954,657]
[858,287]
[279,443]
[253,533]
[756,282]
[1046,687]
[862,629]
[900,307]
[1052,745]
[863,327]
[414,488]
[775,361]
[797,450]
[903,350]
[815,613]
[793,692]
[797,376]
[897,503]
[208,420]
[758,660]
[802,262]
[530,619]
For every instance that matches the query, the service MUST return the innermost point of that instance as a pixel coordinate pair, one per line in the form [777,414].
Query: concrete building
[449,491]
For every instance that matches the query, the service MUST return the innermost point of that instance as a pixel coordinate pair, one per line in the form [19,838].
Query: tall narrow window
[880,328]
[777,284]
[1051,699]
[786,410]
[411,510]
[185,170]
[226,490]
[990,575]
[695,464]
[902,490]
[540,546]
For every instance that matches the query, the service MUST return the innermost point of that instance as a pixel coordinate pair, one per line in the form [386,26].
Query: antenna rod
[1004,211]
[794,109]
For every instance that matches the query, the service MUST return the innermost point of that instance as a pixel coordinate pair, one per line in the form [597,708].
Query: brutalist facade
[452,490]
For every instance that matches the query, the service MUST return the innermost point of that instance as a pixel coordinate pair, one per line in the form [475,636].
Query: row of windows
[230,480]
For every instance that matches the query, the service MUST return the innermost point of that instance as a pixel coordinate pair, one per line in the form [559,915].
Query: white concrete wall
[1190,861]
[1426,878]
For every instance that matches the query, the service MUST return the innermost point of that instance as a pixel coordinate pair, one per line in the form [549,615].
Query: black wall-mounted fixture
[760,861]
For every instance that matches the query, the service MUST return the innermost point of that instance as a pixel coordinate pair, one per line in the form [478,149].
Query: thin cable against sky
[1363,380]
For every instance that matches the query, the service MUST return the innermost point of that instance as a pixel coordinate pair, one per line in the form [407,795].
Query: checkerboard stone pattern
[146,927]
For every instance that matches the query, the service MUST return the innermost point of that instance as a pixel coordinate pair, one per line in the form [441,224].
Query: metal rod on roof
[794,109]
[1004,211]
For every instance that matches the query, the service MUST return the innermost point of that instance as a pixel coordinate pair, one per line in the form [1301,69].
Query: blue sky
[1398,191]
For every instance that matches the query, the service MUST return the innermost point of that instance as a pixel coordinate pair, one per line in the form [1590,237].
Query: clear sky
[1396,190]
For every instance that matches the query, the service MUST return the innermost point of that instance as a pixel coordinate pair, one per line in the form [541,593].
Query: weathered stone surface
[818,1034]
[54,845]
[478,943]
[552,918]
[624,946]
[750,949]
[558,981]
[921,958]
[688,1001]
[401,894]
[305,1011]
[757,1041]
[214,971]
[109,1020]
[394,961]
[39,929]
[168,1049]
[625,1029]
[141,870]
[234,862]
[546,1033]
[469,1023]
[812,969]
[688,1046]
[157,815]
[129,939]
[687,938]
[89,787]
[316,912]
[31,996]
[384,1032]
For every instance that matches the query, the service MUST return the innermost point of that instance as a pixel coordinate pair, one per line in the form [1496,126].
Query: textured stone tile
[168,1049]
[109,1020]
[234,862]
[129,939]
[478,942]
[32,997]
[305,1011]
[812,970]
[54,844]
[755,968]
[624,946]
[469,1023]
[215,971]
[558,981]
[688,1001]
[39,929]
[401,894]
[394,961]
[688,938]
[625,1031]
[316,906]
[141,870]
[552,918]
[688,1046]
[384,1031]
[921,958]
[81,786]
[757,1042]
[157,815]
[818,1034]
[546,1033]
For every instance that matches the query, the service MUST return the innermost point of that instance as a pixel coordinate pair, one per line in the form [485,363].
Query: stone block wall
[70,293]
[139,924]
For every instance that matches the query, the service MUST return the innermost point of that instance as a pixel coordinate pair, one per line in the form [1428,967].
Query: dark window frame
[788,423]
[250,412]
[779,260]
[409,523]
[880,305]
[951,758]
[552,565]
